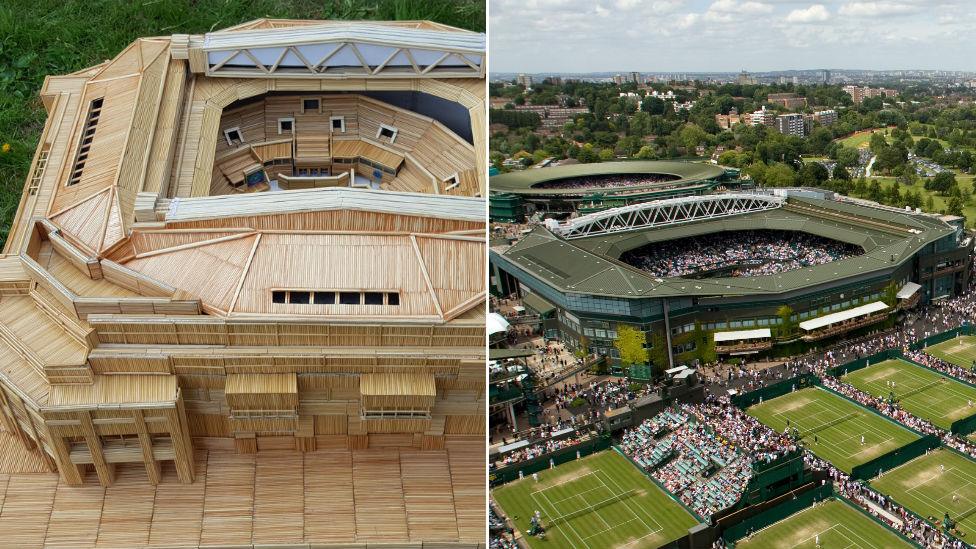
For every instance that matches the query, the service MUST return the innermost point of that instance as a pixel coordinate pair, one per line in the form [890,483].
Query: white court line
[850,542]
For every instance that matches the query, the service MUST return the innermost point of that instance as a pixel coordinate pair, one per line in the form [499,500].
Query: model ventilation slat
[88,135]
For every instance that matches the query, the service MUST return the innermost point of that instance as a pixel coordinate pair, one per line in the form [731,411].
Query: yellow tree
[630,344]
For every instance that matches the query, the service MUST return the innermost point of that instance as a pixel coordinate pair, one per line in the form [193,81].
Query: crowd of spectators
[746,253]
[536,449]
[604,182]
[500,535]
[703,453]
[605,395]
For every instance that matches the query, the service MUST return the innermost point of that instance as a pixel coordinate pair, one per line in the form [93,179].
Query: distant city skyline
[579,36]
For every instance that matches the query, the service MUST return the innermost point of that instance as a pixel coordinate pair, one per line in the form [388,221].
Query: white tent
[741,335]
[496,323]
[835,318]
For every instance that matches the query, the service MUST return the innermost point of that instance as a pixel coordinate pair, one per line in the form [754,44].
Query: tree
[890,294]
[877,142]
[841,173]
[646,153]
[785,314]
[630,343]
[587,154]
[954,206]
[780,175]
[930,204]
[874,191]
[659,354]
[941,183]
[813,174]
[861,187]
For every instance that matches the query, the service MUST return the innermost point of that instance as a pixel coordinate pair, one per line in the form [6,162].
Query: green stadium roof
[589,265]
[521,182]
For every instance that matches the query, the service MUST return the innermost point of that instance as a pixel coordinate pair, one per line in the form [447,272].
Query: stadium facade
[562,190]
[571,274]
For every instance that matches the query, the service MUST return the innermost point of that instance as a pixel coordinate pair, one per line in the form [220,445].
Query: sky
[730,35]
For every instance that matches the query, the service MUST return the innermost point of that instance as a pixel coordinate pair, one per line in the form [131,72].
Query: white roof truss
[355,49]
[671,211]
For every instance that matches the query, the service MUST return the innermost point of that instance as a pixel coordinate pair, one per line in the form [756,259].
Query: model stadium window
[452,182]
[373,298]
[350,298]
[395,413]
[94,111]
[324,298]
[388,132]
[300,298]
[279,296]
[392,298]
[286,125]
[234,136]
[310,105]
[338,124]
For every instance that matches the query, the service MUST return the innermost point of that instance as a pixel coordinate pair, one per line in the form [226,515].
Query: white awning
[834,318]
[742,335]
[675,370]
[908,290]
[496,323]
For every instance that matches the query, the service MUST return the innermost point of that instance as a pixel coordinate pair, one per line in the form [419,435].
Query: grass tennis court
[838,524]
[922,486]
[599,502]
[832,426]
[960,351]
[929,395]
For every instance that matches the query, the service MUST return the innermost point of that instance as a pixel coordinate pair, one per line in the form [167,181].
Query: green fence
[778,389]
[964,426]
[775,514]
[944,336]
[541,463]
[853,366]
[894,458]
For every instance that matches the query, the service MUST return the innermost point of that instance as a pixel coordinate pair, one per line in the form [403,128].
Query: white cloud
[816,13]
[878,9]
[733,6]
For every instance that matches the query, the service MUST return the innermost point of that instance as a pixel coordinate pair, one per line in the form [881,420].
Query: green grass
[837,523]
[832,426]
[627,508]
[960,351]
[859,139]
[925,393]
[923,487]
[42,37]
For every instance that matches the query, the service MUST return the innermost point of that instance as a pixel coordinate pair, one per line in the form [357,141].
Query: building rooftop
[524,181]
[590,265]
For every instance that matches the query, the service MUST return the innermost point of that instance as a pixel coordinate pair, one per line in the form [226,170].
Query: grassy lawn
[44,37]
[835,522]
[832,426]
[598,502]
[960,351]
[925,393]
[861,138]
[923,486]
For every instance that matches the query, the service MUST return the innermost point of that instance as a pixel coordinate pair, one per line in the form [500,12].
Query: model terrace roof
[521,182]
[326,199]
[583,266]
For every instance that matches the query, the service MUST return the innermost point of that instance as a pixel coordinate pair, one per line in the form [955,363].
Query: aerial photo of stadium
[758,368]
